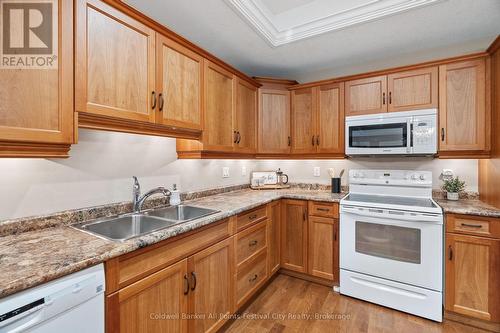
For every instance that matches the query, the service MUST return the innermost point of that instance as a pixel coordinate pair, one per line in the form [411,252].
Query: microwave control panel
[424,134]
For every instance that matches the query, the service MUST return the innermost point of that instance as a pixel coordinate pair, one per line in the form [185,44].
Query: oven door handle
[382,213]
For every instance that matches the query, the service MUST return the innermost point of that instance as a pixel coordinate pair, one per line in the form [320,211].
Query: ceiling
[316,39]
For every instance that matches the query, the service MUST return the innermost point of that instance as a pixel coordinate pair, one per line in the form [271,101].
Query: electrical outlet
[225,172]
[316,172]
[243,170]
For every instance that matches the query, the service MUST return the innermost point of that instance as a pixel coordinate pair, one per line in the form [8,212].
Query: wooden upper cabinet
[304,103]
[294,235]
[218,132]
[463,110]
[164,292]
[36,108]
[179,85]
[115,63]
[472,276]
[212,286]
[365,96]
[245,117]
[274,121]
[411,90]
[330,119]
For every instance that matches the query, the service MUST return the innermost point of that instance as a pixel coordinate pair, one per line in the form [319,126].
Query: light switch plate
[225,172]
[316,172]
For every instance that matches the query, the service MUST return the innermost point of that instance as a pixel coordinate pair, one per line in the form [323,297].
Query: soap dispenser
[175,198]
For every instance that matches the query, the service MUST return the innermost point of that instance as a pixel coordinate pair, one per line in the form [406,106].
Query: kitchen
[252,169]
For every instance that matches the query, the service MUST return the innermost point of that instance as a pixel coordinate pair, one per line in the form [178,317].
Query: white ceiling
[445,28]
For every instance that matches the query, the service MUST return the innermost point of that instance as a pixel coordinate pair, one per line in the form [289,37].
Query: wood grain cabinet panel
[219,98]
[36,109]
[463,111]
[274,121]
[330,119]
[274,235]
[245,117]
[138,308]
[179,85]
[250,241]
[472,275]
[304,103]
[321,241]
[250,277]
[365,96]
[294,235]
[108,83]
[411,90]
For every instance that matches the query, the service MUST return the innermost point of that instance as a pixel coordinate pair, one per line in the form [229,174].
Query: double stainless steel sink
[124,227]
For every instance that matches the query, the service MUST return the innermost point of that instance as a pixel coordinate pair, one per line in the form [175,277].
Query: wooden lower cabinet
[294,235]
[273,234]
[323,240]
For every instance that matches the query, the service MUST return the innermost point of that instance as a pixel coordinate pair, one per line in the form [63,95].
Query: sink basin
[181,213]
[125,227]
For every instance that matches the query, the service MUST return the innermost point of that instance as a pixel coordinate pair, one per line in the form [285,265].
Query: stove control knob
[422,177]
[414,177]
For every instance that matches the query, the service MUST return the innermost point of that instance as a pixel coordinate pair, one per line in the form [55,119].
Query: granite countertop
[468,207]
[34,257]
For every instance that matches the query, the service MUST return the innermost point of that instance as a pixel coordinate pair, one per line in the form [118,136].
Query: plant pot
[452,195]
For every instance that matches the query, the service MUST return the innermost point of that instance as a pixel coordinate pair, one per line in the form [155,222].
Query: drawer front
[473,225]
[324,209]
[250,277]
[250,241]
[248,218]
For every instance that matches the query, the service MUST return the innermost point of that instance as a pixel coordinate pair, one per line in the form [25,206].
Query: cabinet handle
[252,217]
[238,135]
[317,140]
[289,141]
[193,275]
[186,288]
[160,97]
[335,234]
[472,225]
[323,209]
[313,140]
[442,134]
[153,100]
[252,243]
[450,253]
[383,98]
[253,278]
[235,136]
[304,216]
[390,97]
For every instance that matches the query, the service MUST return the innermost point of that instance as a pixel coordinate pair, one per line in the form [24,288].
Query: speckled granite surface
[468,207]
[33,257]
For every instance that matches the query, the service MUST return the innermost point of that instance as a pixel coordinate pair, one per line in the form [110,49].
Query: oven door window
[378,136]
[388,241]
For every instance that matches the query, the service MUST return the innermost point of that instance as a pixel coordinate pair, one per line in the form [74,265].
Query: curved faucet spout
[138,200]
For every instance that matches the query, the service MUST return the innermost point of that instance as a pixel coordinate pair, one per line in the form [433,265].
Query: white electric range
[391,241]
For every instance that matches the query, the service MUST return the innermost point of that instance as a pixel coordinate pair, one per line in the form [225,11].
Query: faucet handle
[137,186]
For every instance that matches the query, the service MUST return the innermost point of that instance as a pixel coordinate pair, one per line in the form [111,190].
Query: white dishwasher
[74,303]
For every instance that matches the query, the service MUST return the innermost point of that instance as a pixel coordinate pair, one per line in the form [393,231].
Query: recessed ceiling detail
[281,22]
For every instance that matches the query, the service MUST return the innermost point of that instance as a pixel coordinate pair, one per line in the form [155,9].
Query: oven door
[385,136]
[384,244]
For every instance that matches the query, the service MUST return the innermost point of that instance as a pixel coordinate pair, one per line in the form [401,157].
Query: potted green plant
[453,187]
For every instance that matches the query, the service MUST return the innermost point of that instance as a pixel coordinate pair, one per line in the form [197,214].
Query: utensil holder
[336,185]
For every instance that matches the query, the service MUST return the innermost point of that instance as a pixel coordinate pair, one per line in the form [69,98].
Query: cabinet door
[37,104]
[462,106]
[179,85]
[472,275]
[274,121]
[218,132]
[115,63]
[294,235]
[412,90]
[246,117]
[212,286]
[303,120]
[273,244]
[366,96]
[139,307]
[320,247]
[330,119]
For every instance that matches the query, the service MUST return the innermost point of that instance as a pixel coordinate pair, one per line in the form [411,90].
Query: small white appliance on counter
[74,303]
[392,133]
[391,241]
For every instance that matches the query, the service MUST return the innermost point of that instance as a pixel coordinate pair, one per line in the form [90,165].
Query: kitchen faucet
[138,200]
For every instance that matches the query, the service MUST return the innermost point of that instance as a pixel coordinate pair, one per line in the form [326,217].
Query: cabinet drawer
[324,209]
[253,216]
[250,277]
[131,267]
[250,241]
[473,225]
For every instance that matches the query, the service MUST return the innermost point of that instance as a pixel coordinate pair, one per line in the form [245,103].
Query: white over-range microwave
[395,133]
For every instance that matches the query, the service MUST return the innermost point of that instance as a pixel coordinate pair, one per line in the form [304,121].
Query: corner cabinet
[36,112]
[464,109]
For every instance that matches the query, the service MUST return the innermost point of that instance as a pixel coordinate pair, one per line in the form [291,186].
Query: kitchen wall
[101,165]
